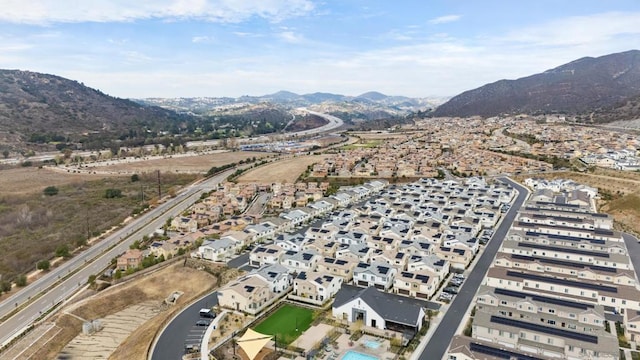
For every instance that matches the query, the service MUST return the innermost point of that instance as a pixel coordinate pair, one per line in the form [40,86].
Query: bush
[21,280]
[63,251]
[43,265]
[50,191]
[112,193]
[135,177]
[5,286]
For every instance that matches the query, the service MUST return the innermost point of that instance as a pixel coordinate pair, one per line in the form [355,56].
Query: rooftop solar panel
[545,329]
[564,263]
[544,299]
[563,249]
[499,353]
[554,280]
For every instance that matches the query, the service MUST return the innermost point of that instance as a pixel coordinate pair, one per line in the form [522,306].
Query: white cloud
[202,39]
[445,19]
[44,12]
[291,37]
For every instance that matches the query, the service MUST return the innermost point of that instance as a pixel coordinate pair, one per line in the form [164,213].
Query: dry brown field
[31,179]
[281,171]
[201,163]
[151,287]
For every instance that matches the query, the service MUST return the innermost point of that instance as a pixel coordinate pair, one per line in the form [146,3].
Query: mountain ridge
[579,86]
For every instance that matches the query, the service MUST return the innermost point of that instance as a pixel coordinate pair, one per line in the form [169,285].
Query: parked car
[456,282]
[203,323]
[451,290]
[207,313]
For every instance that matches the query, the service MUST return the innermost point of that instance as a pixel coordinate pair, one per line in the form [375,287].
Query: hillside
[580,86]
[42,108]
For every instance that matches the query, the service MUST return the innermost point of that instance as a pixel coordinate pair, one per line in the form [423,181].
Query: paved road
[633,247]
[439,342]
[181,331]
[91,261]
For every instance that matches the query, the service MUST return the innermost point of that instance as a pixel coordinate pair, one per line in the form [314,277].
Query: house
[131,259]
[379,275]
[338,267]
[378,309]
[250,294]
[297,261]
[165,249]
[276,275]
[218,250]
[418,284]
[265,254]
[315,287]
[184,224]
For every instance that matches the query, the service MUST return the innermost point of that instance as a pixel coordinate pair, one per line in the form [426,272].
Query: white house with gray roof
[218,250]
[296,261]
[315,287]
[378,309]
[378,274]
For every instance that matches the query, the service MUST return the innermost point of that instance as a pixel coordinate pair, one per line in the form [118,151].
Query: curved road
[181,330]
[439,342]
[57,288]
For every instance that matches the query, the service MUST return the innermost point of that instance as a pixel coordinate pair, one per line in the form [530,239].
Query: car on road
[203,323]
[207,313]
[450,290]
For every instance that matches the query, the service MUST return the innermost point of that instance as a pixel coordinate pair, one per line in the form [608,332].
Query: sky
[214,48]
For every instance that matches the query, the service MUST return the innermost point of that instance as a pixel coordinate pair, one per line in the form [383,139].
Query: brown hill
[39,108]
[580,86]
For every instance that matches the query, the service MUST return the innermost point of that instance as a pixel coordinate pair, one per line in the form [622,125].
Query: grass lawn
[282,323]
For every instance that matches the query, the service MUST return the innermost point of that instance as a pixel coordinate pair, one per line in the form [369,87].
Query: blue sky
[188,48]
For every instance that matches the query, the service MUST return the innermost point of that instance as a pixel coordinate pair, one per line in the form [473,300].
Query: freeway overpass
[61,282]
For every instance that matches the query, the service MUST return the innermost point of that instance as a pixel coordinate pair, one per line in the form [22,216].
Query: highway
[439,342]
[91,261]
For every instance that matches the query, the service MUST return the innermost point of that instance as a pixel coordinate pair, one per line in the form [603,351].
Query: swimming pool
[354,355]
[372,344]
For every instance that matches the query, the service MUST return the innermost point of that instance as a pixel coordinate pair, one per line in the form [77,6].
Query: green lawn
[282,323]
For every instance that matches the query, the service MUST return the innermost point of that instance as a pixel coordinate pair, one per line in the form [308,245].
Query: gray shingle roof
[391,307]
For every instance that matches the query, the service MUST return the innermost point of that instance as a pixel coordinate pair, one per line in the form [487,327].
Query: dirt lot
[201,163]
[281,171]
[148,289]
[31,179]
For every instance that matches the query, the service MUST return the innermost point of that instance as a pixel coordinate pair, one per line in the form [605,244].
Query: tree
[21,280]
[117,275]
[50,191]
[63,251]
[5,286]
[91,280]
[5,153]
[43,265]
[135,177]
[112,193]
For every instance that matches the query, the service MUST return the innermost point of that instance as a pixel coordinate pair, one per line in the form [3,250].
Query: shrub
[50,191]
[63,251]
[21,280]
[43,265]
[112,193]
[135,177]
